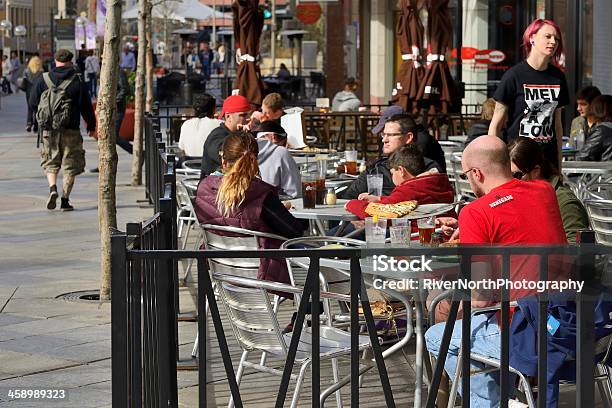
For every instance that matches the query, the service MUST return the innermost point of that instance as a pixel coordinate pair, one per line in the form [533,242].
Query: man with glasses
[399,130]
[235,115]
[509,212]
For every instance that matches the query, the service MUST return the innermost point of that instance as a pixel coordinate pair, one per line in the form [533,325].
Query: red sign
[308,13]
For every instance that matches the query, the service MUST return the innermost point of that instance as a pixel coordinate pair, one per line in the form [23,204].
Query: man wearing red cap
[235,115]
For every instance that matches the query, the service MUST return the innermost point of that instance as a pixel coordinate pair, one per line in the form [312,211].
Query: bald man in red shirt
[508,211]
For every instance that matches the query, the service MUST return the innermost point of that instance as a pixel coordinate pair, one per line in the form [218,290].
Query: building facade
[36,16]
[489,41]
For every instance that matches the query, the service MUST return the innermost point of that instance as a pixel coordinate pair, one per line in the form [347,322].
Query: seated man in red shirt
[508,211]
[411,181]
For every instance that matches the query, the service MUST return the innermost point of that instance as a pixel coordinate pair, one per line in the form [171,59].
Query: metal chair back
[600,217]
[598,191]
[239,239]
[251,316]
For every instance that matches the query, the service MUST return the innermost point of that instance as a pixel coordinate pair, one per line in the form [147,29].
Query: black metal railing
[144,259]
[158,163]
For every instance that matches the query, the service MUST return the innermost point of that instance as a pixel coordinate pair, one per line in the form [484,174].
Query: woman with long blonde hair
[239,198]
[31,74]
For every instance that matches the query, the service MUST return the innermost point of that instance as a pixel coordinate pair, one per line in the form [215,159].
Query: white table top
[598,167]
[322,212]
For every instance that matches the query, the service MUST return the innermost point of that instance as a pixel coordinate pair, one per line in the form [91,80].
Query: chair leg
[298,384]
[336,374]
[275,303]
[196,344]
[527,390]
[604,384]
[245,354]
[367,355]
[195,247]
[186,238]
[452,396]
[196,347]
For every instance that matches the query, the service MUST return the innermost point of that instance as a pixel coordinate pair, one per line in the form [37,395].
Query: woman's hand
[287,205]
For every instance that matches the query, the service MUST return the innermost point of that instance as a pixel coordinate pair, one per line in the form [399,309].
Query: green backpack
[54,109]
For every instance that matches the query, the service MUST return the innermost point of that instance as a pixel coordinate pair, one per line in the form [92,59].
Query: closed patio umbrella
[438,87]
[409,31]
[248,25]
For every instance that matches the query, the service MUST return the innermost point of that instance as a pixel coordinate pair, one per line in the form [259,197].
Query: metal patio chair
[600,217]
[249,305]
[338,281]
[603,375]
[234,238]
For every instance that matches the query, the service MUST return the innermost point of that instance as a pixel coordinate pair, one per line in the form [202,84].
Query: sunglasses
[463,176]
[518,175]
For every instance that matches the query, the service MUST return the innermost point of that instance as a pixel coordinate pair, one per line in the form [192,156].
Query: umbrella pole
[214,23]
[273,37]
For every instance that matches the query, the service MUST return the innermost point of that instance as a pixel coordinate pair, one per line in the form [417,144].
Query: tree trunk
[140,102]
[149,62]
[106,110]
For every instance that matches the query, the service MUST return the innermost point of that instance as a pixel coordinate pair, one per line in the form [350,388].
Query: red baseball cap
[235,103]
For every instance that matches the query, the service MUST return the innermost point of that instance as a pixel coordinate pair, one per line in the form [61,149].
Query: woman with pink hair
[532,93]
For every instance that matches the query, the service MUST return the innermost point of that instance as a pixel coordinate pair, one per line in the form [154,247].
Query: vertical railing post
[135,317]
[313,275]
[585,326]
[542,334]
[119,321]
[355,293]
[166,295]
[466,331]
[505,336]
[316,343]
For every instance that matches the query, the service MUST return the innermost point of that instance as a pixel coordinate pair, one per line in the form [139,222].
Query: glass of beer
[309,189]
[351,162]
[426,227]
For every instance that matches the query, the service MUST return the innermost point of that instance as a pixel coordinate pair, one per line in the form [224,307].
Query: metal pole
[214,25]
[273,37]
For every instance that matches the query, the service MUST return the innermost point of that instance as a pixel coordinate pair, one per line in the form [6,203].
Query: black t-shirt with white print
[532,97]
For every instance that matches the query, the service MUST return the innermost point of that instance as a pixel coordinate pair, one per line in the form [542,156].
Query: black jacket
[598,144]
[123,87]
[431,148]
[380,166]
[81,104]
[213,145]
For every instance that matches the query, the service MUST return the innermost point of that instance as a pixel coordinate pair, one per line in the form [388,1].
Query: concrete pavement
[46,342]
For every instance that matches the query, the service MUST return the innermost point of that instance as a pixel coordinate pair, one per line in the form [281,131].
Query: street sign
[308,13]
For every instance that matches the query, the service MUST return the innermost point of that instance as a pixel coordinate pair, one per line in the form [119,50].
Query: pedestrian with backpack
[59,99]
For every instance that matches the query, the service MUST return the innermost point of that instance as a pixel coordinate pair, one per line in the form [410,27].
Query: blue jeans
[93,85]
[486,341]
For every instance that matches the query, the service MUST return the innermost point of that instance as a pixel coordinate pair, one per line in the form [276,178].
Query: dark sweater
[213,145]
[81,104]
